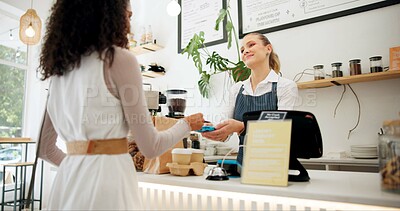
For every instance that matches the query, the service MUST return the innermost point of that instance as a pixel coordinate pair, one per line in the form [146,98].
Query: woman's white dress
[81,108]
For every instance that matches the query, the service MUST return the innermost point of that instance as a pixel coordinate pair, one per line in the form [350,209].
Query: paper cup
[181,156]
[197,156]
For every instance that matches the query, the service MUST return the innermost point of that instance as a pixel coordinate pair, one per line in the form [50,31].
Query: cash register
[305,141]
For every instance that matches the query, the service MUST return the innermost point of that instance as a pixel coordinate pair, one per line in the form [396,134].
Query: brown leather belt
[97,147]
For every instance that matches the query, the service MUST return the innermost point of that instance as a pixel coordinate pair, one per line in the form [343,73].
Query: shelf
[341,164]
[146,48]
[391,74]
[152,74]
[16,140]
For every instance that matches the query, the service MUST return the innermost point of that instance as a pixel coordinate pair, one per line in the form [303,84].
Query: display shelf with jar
[152,74]
[327,82]
[146,43]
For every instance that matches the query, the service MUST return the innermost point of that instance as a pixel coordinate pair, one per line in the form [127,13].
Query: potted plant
[215,63]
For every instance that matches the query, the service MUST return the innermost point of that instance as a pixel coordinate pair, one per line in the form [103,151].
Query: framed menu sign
[200,15]
[267,153]
[273,15]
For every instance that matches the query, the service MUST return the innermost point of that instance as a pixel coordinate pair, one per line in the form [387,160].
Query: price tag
[272,115]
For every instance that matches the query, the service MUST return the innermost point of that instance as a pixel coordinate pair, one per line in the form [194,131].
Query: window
[13,68]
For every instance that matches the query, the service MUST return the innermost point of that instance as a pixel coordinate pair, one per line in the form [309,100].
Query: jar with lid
[319,72]
[195,140]
[336,72]
[355,66]
[375,64]
[389,156]
[176,102]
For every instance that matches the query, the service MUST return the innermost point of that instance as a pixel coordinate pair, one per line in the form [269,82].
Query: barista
[263,90]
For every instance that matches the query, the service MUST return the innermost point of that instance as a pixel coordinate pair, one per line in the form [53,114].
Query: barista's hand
[224,129]
[195,121]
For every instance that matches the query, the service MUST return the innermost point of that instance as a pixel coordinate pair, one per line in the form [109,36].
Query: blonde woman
[263,90]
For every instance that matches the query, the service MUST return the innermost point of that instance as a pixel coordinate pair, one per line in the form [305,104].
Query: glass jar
[149,35]
[143,36]
[176,102]
[389,156]
[375,64]
[132,41]
[336,72]
[319,72]
[195,140]
[355,66]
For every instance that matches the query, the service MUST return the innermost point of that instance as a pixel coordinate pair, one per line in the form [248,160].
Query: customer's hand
[195,121]
[224,129]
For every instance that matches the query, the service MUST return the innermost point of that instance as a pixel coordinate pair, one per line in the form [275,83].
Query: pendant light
[173,8]
[30,27]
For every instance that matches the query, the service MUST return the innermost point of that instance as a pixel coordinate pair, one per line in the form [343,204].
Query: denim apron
[246,103]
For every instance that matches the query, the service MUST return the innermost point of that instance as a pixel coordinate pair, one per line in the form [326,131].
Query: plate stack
[364,151]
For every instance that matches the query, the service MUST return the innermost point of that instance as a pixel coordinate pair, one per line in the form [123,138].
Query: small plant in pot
[215,63]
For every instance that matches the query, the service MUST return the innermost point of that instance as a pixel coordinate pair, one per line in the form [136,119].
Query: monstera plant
[215,63]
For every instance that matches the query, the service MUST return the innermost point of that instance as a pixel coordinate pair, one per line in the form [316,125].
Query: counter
[326,190]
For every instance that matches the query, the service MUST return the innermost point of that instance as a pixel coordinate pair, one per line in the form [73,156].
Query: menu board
[200,15]
[267,153]
[272,15]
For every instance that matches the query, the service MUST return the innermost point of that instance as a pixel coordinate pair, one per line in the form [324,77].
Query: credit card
[206,128]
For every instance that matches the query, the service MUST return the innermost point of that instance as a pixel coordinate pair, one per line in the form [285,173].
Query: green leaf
[194,44]
[204,84]
[229,30]
[240,72]
[192,49]
[221,16]
[217,63]
[197,61]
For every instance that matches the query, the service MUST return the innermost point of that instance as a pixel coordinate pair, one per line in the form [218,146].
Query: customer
[264,90]
[96,94]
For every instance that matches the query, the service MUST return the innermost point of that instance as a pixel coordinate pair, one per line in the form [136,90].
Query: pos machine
[305,139]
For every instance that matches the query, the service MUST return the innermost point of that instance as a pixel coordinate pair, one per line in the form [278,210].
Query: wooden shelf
[152,74]
[146,48]
[18,140]
[391,74]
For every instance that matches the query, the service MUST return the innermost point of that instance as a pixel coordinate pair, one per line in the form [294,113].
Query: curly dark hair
[80,27]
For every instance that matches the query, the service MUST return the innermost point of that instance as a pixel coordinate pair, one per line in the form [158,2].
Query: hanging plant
[215,63]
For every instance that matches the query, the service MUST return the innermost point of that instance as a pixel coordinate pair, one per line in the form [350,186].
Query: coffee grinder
[176,102]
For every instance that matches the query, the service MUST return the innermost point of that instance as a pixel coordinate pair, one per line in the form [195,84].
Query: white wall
[356,36]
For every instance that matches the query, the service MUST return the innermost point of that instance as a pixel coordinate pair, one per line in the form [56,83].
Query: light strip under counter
[326,190]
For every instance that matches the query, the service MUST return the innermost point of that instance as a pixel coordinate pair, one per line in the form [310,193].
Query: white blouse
[286,90]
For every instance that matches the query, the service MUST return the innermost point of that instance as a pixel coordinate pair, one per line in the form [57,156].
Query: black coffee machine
[176,102]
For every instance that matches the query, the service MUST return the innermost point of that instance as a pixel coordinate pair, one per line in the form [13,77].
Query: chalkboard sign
[200,15]
[274,15]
